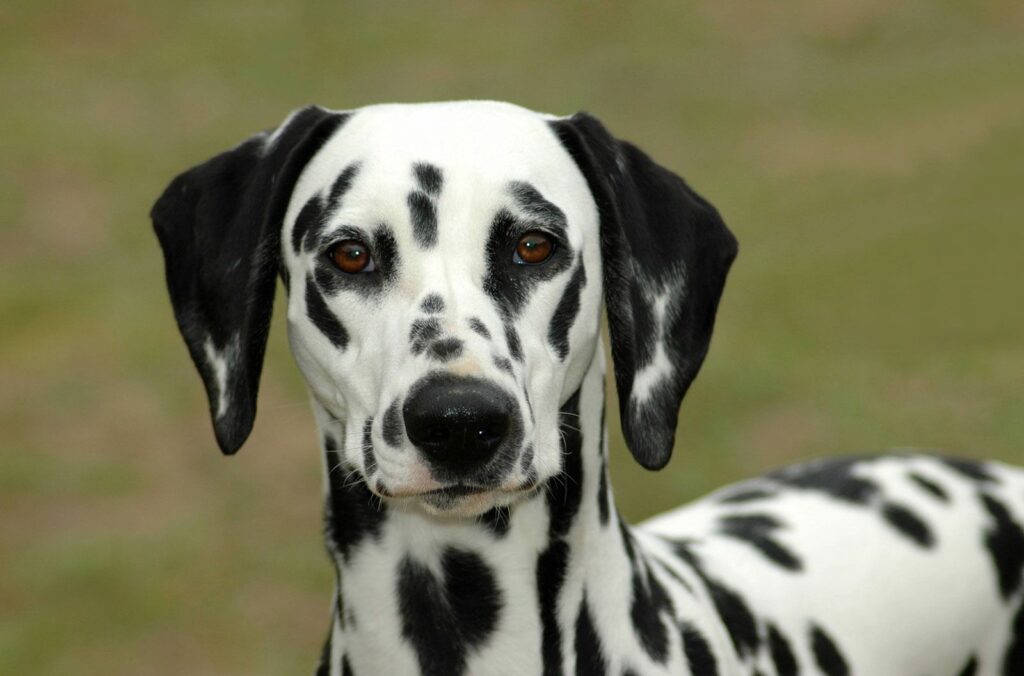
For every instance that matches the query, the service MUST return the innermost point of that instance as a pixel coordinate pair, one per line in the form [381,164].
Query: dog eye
[351,256]
[533,249]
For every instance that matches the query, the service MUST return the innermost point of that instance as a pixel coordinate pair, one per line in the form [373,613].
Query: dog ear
[665,253]
[219,225]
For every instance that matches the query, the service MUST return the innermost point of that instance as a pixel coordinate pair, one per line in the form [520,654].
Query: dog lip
[462,491]
[456,490]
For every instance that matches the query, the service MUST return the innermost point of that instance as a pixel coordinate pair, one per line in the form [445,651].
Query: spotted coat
[517,562]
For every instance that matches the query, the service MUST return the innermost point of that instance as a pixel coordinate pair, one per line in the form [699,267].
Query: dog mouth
[462,499]
[454,498]
[455,491]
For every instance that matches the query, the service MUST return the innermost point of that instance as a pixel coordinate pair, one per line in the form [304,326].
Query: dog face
[444,266]
[439,299]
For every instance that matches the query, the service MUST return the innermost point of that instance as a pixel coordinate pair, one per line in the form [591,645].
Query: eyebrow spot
[534,205]
[312,219]
[429,178]
[424,219]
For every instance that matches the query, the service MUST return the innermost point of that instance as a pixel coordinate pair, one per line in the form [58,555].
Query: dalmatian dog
[445,266]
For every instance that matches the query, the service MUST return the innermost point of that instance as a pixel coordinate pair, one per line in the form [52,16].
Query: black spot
[515,348]
[536,208]
[602,494]
[341,186]
[504,365]
[698,653]
[551,568]
[650,601]
[526,463]
[826,654]
[671,572]
[443,620]
[327,277]
[836,479]
[422,332]
[429,178]
[748,495]
[971,668]
[352,511]
[1005,542]
[432,304]
[445,349]
[739,621]
[590,659]
[497,520]
[627,543]
[1013,662]
[565,313]
[369,461]
[309,218]
[424,219]
[510,285]
[908,523]
[346,667]
[757,531]
[393,427]
[832,477]
[564,496]
[479,328]
[975,471]
[782,654]
[563,501]
[315,213]
[930,487]
[322,317]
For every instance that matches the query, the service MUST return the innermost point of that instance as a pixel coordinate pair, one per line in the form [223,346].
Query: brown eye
[352,257]
[533,248]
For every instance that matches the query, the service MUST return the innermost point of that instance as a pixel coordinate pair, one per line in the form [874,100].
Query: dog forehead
[479,149]
[488,138]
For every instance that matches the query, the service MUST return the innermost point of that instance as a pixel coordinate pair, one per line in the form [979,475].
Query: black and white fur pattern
[901,565]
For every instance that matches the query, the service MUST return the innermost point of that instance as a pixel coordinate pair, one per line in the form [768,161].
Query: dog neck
[424,593]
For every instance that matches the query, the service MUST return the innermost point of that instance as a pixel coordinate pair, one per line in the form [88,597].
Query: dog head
[444,266]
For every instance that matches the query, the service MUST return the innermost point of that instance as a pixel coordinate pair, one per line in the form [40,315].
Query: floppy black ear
[665,252]
[219,226]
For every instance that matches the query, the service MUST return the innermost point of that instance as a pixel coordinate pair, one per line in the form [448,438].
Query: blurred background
[867,153]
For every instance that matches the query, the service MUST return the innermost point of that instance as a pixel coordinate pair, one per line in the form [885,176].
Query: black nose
[457,423]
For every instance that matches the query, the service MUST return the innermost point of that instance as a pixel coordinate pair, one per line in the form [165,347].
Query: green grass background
[867,153]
